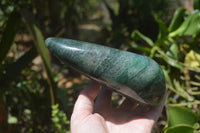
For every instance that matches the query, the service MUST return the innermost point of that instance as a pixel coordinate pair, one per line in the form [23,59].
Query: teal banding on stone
[134,76]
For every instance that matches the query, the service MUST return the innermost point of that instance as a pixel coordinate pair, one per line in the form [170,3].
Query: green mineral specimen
[134,76]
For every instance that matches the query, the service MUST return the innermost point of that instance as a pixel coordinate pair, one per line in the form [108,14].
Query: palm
[101,117]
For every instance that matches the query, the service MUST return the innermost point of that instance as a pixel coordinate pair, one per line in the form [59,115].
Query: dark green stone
[135,76]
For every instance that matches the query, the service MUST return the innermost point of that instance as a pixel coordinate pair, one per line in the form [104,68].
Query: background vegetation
[37,92]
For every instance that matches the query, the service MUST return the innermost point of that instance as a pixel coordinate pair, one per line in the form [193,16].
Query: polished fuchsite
[134,76]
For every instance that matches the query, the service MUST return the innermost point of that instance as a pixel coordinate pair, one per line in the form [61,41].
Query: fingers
[128,105]
[84,104]
[104,98]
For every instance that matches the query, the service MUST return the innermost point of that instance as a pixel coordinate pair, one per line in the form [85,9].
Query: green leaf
[173,51]
[15,68]
[8,34]
[180,115]
[191,25]
[42,50]
[177,19]
[136,35]
[163,32]
[180,129]
[196,4]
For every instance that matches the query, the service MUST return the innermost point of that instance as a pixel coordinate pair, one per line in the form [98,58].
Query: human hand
[95,114]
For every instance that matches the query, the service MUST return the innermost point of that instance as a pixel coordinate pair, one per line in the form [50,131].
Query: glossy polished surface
[135,76]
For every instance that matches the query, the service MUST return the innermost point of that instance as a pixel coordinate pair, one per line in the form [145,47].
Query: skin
[93,113]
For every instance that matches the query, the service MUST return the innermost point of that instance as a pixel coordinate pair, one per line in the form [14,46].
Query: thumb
[84,104]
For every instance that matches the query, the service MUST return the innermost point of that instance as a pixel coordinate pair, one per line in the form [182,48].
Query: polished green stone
[135,76]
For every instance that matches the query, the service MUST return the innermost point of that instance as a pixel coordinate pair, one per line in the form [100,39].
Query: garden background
[37,91]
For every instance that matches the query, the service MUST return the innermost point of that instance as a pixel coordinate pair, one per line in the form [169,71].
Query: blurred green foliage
[24,91]
[51,15]
[59,120]
[133,14]
[30,100]
[177,50]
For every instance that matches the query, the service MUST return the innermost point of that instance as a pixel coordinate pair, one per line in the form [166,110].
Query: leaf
[177,19]
[180,115]
[8,34]
[42,50]
[191,25]
[196,4]
[139,36]
[180,129]
[15,68]
[173,51]
[163,32]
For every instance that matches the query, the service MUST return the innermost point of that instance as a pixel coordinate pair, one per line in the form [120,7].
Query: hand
[95,114]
